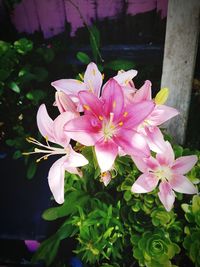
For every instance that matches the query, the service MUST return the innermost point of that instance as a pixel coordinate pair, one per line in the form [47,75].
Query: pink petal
[45,123]
[58,126]
[152,163]
[106,152]
[140,163]
[161,114]
[56,179]
[113,98]
[64,102]
[84,129]
[132,143]
[145,183]
[144,93]
[69,86]
[184,164]
[166,195]
[137,113]
[91,103]
[182,184]
[93,79]
[166,157]
[124,77]
[155,139]
[75,159]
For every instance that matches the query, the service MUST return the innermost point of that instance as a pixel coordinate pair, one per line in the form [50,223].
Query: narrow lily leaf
[83,57]
[75,199]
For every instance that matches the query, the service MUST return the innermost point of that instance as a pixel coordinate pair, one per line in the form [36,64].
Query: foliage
[95,45]
[23,79]
[121,228]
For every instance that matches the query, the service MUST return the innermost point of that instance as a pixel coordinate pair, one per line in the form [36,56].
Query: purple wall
[49,16]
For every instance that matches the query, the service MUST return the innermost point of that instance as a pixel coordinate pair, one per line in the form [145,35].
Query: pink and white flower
[92,82]
[159,115]
[168,171]
[53,131]
[109,124]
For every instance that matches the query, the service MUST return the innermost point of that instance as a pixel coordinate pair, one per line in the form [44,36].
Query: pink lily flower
[92,82]
[168,171]
[53,132]
[159,115]
[108,124]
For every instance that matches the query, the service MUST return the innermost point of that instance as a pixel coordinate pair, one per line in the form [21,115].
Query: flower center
[108,128]
[163,173]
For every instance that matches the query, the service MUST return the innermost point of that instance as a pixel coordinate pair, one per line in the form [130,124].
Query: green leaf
[95,42]
[14,87]
[120,64]
[17,154]
[31,170]
[196,204]
[75,198]
[36,96]
[23,46]
[47,250]
[83,57]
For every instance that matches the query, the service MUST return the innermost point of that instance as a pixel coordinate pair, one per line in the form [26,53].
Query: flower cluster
[116,119]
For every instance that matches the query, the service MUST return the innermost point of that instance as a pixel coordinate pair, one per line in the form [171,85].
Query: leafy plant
[23,79]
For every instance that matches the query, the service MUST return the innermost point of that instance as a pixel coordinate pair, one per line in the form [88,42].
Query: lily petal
[166,157]
[84,129]
[151,163]
[182,184]
[93,78]
[145,183]
[137,113]
[69,86]
[91,103]
[106,152]
[155,139]
[144,93]
[166,195]
[64,102]
[56,179]
[75,159]
[184,164]
[58,127]
[161,114]
[132,143]
[113,99]
[126,76]
[45,123]
[140,163]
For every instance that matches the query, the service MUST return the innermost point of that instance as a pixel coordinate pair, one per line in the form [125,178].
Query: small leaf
[14,87]
[32,167]
[83,57]
[23,46]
